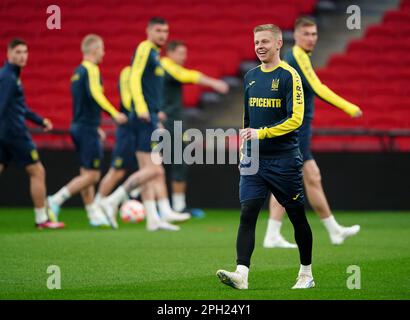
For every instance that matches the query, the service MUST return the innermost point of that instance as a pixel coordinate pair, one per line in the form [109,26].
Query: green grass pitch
[131,263]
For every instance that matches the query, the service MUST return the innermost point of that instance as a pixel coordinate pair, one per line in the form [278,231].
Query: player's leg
[252,192]
[284,177]
[110,180]
[1,168]
[273,237]
[24,152]
[123,158]
[141,179]
[161,193]
[95,216]
[86,178]
[37,175]
[178,192]
[89,150]
[178,174]
[318,201]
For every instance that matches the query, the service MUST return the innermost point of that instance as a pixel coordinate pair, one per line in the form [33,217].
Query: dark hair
[304,21]
[157,20]
[173,44]
[15,42]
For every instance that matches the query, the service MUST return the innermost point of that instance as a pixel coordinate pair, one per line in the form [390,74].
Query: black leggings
[245,242]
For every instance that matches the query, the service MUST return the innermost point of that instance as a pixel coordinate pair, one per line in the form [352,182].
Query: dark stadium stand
[374,72]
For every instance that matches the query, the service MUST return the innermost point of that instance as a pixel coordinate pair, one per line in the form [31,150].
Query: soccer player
[273,111]
[88,101]
[299,58]
[15,141]
[175,76]
[146,85]
[123,155]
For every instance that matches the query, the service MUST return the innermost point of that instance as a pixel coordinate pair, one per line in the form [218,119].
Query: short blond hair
[269,27]
[90,41]
[304,21]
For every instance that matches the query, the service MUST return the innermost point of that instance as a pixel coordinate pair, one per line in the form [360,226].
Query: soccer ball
[132,211]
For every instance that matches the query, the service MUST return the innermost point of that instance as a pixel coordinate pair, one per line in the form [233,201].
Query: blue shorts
[123,155]
[142,131]
[282,177]
[87,145]
[20,150]
[305,137]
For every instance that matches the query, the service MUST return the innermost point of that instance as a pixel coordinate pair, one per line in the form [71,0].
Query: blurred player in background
[16,143]
[123,155]
[146,85]
[299,58]
[175,76]
[273,111]
[88,101]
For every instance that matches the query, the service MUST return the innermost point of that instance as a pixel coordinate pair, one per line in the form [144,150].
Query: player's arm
[7,89]
[185,75]
[37,119]
[125,93]
[295,107]
[321,90]
[137,70]
[245,122]
[96,91]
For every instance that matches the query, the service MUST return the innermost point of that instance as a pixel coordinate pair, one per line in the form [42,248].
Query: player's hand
[248,134]
[120,118]
[145,116]
[48,125]
[358,113]
[162,116]
[220,86]
[101,134]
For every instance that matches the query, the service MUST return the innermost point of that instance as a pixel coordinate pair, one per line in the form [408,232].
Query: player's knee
[250,210]
[118,174]
[297,215]
[94,176]
[37,171]
[313,177]
[159,171]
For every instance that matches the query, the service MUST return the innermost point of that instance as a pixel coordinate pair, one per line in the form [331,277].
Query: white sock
[273,229]
[97,198]
[40,215]
[118,196]
[178,201]
[135,193]
[61,196]
[306,270]
[151,210]
[90,210]
[164,206]
[331,224]
[243,271]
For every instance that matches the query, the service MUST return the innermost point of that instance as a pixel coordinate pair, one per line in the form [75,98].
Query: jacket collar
[13,68]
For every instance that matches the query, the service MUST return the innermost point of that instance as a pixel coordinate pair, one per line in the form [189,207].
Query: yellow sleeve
[125,93]
[137,70]
[180,73]
[96,89]
[321,90]
[295,105]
